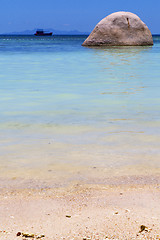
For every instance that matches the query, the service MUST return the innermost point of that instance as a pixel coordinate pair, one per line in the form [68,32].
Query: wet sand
[120,209]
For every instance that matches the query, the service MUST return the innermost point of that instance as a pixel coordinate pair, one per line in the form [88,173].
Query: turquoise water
[64,103]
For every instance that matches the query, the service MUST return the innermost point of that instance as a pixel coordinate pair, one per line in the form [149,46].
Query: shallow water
[67,105]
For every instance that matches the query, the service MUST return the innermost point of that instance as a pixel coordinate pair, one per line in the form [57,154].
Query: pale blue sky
[82,15]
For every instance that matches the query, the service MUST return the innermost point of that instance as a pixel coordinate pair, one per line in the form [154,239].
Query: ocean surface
[64,106]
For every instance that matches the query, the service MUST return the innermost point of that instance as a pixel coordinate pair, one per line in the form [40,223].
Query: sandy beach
[125,210]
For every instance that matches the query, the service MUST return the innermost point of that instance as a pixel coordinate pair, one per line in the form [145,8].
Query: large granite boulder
[120,29]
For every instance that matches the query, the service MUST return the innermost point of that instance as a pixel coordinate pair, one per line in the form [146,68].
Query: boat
[40,32]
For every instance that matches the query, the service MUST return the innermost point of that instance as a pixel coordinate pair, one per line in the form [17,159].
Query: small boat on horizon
[40,32]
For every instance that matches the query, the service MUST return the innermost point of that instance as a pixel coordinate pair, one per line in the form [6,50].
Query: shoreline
[64,175]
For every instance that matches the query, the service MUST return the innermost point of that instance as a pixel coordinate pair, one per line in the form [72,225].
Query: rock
[40,236]
[142,228]
[120,29]
[28,235]
[18,234]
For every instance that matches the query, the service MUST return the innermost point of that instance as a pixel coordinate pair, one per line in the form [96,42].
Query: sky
[81,15]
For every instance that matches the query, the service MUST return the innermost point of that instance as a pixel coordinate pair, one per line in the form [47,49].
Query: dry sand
[81,211]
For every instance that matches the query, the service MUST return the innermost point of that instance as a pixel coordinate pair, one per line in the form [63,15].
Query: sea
[74,113]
